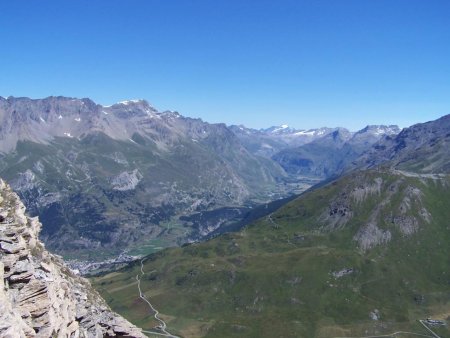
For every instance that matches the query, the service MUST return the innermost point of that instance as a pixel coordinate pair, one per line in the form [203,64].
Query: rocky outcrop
[379,207]
[39,295]
[126,180]
[371,235]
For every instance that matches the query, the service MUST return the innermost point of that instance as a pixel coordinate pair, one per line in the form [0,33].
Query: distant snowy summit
[269,141]
[127,102]
[381,130]
[284,128]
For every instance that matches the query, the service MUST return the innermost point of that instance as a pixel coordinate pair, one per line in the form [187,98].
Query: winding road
[162,324]
[391,335]
[432,332]
[418,175]
[434,335]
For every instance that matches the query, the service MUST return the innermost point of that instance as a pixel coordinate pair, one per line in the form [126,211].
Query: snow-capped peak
[306,132]
[127,102]
[382,129]
[280,128]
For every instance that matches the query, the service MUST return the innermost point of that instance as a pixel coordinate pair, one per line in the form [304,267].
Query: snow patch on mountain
[127,102]
[278,129]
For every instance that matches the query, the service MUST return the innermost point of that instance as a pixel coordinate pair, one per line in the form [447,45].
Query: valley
[108,180]
[225,169]
[331,233]
[359,265]
[362,255]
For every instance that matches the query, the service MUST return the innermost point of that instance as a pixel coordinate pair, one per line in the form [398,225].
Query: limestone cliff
[39,295]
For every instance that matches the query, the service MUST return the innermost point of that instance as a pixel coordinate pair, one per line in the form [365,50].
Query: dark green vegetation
[365,255]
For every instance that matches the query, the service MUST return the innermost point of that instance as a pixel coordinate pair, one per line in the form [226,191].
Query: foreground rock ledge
[39,295]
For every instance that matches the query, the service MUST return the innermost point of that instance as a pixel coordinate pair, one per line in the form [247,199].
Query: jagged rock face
[267,142]
[39,295]
[44,119]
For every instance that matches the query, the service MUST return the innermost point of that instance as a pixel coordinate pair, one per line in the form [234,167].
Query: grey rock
[126,180]
[39,296]
[342,273]
[371,235]
[421,148]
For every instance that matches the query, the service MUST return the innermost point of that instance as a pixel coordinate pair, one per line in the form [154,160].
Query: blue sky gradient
[259,63]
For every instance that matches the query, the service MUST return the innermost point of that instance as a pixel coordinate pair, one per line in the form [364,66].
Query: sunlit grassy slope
[314,268]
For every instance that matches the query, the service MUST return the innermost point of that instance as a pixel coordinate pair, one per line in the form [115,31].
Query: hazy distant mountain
[101,176]
[331,154]
[372,134]
[267,142]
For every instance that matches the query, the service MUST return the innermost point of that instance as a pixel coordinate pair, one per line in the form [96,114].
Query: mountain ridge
[407,149]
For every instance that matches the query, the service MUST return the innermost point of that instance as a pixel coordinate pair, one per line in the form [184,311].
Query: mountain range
[333,153]
[362,253]
[109,178]
[101,176]
[421,148]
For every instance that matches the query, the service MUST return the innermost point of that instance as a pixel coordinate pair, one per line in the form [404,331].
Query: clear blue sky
[260,63]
